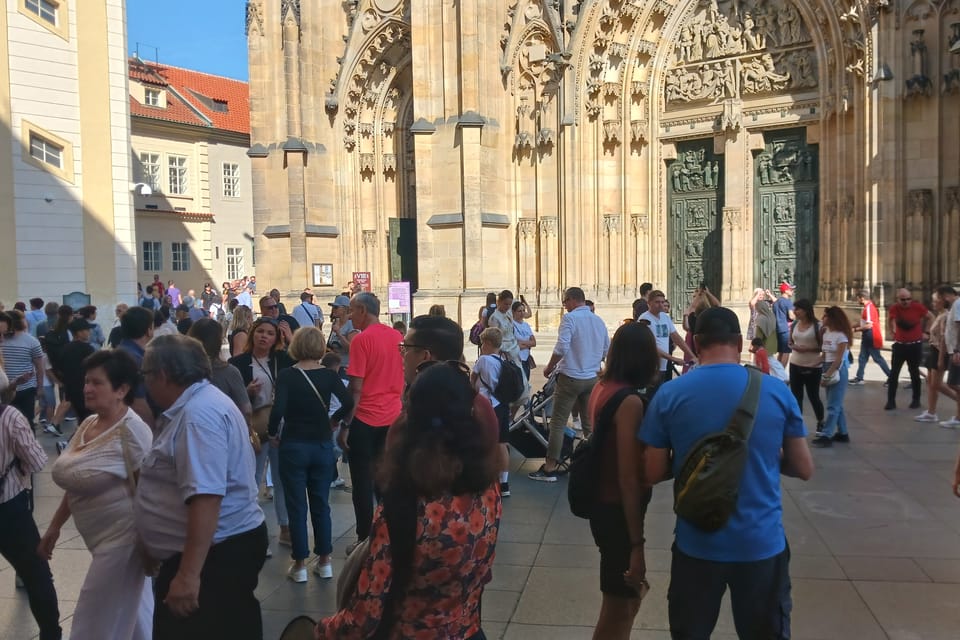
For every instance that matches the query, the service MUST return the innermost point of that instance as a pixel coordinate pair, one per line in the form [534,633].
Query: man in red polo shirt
[908,321]
[376,382]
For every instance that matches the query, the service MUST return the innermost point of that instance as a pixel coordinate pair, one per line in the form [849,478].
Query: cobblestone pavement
[875,538]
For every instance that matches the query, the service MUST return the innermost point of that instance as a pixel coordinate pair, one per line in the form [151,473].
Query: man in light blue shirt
[307,313]
[582,343]
[196,508]
[35,316]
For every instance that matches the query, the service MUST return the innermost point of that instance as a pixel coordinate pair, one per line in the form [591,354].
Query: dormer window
[151,97]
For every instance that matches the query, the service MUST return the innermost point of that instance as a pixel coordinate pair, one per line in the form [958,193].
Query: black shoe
[504,489]
[915,404]
[822,442]
[841,437]
[890,406]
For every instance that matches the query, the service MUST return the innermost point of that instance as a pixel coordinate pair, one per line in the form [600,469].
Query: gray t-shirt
[227,378]
[337,344]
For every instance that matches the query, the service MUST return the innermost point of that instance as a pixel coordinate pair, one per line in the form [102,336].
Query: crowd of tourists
[162,475]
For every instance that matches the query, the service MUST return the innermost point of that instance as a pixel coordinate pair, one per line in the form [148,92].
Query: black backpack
[585,463]
[511,384]
[705,490]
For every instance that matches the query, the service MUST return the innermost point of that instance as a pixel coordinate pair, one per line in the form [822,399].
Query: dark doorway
[786,210]
[694,199]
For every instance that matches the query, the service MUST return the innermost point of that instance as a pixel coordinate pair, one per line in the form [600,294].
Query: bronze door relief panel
[786,208]
[694,200]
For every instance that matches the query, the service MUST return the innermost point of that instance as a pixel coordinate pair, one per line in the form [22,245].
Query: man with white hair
[196,508]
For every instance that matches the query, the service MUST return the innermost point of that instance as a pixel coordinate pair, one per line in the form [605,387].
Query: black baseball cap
[717,323]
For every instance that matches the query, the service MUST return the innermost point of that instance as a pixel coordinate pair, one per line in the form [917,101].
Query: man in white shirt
[502,318]
[196,509]
[664,331]
[582,343]
[307,313]
[951,355]
[244,299]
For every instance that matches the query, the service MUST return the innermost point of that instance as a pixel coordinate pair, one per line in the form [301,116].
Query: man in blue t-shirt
[750,553]
[783,312]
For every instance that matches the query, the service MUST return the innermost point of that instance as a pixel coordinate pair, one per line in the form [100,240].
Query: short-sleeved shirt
[488,369]
[523,331]
[870,315]
[908,321]
[504,321]
[19,352]
[375,357]
[951,332]
[202,448]
[831,344]
[307,314]
[782,309]
[34,318]
[702,402]
[662,327]
[227,378]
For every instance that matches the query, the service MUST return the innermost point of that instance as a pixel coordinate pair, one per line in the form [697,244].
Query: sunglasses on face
[409,346]
[455,364]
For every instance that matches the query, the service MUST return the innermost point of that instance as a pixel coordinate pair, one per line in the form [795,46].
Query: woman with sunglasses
[433,537]
[260,364]
[306,454]
[623,494]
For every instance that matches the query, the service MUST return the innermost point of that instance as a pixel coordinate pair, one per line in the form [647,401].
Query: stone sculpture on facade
[757,51]
[918,84]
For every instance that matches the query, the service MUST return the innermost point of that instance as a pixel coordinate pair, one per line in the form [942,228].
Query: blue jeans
[759,596]
[307,468]
[867,351]
[269,452]
[836,419]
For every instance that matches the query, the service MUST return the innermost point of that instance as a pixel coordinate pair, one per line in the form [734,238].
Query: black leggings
[807,378]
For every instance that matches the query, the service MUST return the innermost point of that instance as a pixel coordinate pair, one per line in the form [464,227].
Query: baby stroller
[530,428]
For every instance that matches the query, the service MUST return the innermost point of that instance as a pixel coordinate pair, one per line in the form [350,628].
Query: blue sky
[206,35]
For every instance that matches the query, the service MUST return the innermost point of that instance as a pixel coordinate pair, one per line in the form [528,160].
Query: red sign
[362,280]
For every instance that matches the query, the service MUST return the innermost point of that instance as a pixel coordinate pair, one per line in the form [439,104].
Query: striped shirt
[19,352]
[17,442]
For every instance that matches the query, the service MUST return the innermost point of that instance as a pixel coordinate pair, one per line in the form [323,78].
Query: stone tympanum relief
[737,49]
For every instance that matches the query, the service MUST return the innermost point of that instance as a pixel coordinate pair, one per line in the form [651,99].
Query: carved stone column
[614,248]
[640,231]
[527,245]
[737,268]
[549,261]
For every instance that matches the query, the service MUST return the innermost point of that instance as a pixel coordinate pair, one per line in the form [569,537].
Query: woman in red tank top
[623,495]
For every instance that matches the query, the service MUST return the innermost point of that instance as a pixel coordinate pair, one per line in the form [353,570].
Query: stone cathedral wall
[538,144]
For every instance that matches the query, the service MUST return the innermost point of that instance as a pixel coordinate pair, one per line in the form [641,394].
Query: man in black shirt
[70,366]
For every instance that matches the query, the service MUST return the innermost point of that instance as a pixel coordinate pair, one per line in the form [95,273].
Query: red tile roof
[191,96]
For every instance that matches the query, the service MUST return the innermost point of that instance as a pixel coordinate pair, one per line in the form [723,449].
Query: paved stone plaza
[875,538]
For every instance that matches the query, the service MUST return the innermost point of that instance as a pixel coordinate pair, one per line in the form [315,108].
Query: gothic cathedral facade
[469,146]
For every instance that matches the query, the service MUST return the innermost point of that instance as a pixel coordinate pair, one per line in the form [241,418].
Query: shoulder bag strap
[741,424]
[13,461]
[127,462]
[605,419]
[312,386]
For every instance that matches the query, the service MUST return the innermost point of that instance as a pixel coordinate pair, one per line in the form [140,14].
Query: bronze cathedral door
[694,200]
[786,210]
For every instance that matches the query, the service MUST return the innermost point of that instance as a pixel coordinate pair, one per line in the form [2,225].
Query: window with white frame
[152,256]
[45,10]
[150,166]
[151,97]
[181,256]
[231,180]
[177,170]
[46,151]
[234,263]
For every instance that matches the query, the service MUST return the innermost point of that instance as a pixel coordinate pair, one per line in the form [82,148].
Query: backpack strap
[744,416]
[605,419]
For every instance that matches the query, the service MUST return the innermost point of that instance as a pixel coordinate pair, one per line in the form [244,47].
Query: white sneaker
[926,416]
[324,570]
[577,425]
[952,423]
[297,575]
[339,482]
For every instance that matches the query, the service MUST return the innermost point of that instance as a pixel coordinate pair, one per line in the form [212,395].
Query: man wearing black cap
[749,555]
[70,370]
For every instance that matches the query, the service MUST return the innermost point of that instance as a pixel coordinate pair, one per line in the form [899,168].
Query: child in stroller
[529,429]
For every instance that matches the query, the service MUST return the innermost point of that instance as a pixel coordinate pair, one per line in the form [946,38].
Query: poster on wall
[362,280]
[398,297]
[323,275]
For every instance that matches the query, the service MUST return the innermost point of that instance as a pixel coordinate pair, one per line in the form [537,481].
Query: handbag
[260,420]
[531,363]
[300,628]
[350,573]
